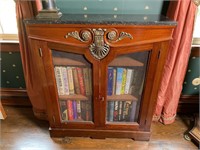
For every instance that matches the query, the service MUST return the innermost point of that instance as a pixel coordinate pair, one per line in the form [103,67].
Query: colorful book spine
[110,81]
[76,82]
[81,81]
[70,79]
[70,110]
[58,75]
[75,115]
[86,81]
[78,109]
[129,78]
[120,111]
[115,114]
[123,81]
[114,81]
[119,80]
[133,111]
[65,80]
[111,110]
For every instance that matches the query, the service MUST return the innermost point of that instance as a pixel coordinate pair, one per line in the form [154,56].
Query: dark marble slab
[106,19]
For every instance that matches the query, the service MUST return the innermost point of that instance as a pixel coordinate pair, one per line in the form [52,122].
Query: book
[75,115]
[136,83]
[70,110]
[133,111]
[120,111]
[127,111]
[86,81]
[81,81]
[65,80]
[70,79]
[115,114]
[110,81]
[88,111]
[119,80]
[123,81]
[114,81]
[63,110]
[110,110]
[76,82]
[78,109]
[83,110]
[124,111]
[129,78]
[59,83]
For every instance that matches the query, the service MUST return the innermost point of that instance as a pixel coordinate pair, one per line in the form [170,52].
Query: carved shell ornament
[99,49]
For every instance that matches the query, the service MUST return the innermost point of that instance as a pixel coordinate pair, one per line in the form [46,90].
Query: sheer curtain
[182,11]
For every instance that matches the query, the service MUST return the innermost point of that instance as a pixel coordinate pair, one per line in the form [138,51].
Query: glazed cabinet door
[126,77]
[130,86]
[70,77]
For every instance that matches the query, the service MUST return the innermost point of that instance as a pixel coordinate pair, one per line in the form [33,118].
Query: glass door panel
[73,74]
[126,74]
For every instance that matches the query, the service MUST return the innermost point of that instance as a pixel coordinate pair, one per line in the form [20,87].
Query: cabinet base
[100,134]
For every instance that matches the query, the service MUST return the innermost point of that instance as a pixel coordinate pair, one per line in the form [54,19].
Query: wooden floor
[22,131]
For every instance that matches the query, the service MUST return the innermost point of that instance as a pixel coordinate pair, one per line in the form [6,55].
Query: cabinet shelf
[73,97]
[125,61]
[123,97]
[70,61]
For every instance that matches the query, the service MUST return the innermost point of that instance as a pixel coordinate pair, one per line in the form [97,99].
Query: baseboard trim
[188,104]
[14,97]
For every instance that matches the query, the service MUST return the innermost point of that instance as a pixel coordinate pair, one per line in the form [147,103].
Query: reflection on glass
[73,76]
[126,76]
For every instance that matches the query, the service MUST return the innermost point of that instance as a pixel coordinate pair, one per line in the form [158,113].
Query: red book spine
[81,81]
[70,110]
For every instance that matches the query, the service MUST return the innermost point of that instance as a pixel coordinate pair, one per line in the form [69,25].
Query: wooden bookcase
[100,79]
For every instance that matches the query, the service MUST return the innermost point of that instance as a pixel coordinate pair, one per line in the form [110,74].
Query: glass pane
[73,75]
[126,75]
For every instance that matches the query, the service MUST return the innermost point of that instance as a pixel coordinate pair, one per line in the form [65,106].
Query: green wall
[11,70]
[193,71]
[110,6]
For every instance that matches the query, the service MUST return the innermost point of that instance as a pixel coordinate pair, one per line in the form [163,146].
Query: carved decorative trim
[83,37]
[99,49]
[112,36]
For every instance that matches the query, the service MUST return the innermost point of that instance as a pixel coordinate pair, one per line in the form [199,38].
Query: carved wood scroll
[99,49]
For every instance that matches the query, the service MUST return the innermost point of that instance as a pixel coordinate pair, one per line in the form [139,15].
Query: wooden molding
[14,97]
[188,104]
[9,36]
[9,47]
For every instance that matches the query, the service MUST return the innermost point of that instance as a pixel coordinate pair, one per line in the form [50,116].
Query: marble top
[108,19]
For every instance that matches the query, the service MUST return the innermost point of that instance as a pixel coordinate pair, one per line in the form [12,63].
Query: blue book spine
[110,81]
[74,105]
[133,111]
[119,80]
[111,110]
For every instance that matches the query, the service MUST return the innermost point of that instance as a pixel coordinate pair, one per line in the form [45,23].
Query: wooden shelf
[123,97]
[125,61]
[70,60]
[73,97]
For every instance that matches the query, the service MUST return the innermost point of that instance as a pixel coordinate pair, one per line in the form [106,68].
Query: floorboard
[22,131]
